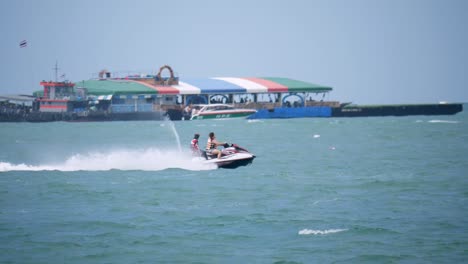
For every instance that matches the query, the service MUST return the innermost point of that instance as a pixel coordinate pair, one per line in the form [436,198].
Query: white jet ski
[232,156]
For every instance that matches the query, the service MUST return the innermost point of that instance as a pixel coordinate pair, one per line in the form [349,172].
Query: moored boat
[219,111]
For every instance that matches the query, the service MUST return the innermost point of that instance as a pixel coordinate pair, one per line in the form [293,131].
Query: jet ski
[232,156]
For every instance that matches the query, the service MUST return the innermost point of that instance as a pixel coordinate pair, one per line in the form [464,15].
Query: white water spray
[168,121]
[150,159]
[320,232]
[147,159]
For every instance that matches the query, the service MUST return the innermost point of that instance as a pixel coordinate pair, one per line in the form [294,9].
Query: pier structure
[113,96]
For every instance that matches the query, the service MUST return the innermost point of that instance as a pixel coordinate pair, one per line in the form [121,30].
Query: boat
[219,111]
[442,108]
[232,156]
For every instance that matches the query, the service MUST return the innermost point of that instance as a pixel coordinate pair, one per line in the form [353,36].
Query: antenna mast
[56,71]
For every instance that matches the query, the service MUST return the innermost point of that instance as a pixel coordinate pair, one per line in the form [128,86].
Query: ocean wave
[151,159]
[254,121]
[323,201]
[444,121]
[320,232]
[364,230]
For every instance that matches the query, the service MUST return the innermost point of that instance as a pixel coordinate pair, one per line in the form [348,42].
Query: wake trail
[444,121]
[151,159]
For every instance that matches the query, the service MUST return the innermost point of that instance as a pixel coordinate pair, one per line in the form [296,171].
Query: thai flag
[23,44]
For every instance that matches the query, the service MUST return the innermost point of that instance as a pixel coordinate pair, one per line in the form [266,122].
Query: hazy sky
[369,51]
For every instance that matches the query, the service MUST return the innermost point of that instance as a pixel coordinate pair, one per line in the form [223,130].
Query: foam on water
[320,232]
[444,121]
[151,159]
[255,121]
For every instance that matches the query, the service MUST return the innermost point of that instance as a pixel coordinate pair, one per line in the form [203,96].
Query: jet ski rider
[194,144]
[212,144]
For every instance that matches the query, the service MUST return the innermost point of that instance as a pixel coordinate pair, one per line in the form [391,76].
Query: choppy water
[390,189]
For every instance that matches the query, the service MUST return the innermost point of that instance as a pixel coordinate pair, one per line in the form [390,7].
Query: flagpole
[24,44]
[30,52]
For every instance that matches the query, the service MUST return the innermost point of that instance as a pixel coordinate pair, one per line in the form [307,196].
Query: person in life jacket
[212,144]
[194,144]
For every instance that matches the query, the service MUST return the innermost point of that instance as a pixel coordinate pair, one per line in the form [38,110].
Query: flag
[62,76]
[23,44]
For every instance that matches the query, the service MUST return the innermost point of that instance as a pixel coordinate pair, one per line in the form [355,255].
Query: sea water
[321,190]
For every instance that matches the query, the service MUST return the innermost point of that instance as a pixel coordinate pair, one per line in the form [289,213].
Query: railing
[131,108]
[145,108]
[265,105]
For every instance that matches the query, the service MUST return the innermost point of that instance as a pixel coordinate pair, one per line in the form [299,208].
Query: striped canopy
[218,85]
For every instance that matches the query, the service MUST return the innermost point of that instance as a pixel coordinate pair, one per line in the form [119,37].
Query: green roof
[104,87]
[299,86]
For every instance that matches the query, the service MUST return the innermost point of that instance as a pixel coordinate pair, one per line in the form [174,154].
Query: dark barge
[397,110]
